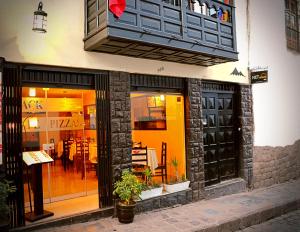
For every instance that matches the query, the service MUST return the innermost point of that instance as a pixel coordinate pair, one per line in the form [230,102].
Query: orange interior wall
[174,136]
[89,98]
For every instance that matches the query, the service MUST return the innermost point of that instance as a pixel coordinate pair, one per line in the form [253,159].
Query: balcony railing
[200,32]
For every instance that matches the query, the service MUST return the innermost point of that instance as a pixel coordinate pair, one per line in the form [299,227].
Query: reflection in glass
[54,120]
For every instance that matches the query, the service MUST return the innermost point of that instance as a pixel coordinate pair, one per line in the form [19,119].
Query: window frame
[292,24]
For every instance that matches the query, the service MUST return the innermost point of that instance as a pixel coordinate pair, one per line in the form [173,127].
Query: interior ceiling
[55,93]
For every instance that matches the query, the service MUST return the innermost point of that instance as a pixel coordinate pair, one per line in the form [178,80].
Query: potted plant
[5,189]
[152,189]
[177,184]
[128,190]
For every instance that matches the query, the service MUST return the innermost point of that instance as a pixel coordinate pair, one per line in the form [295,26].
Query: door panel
[219,136]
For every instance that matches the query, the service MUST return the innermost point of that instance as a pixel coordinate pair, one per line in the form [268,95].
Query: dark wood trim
[12,139]
[103,140]
[56,68]
[156,83]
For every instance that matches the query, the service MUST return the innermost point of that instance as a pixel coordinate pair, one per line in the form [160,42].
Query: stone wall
[194,138]
[120,122]
[167,200]
[246,129]
[273,165]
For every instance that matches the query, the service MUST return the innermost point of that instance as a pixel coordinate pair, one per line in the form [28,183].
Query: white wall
[276,103]
[63,45]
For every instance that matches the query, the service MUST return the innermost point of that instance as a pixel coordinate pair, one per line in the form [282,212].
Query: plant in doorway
[5,189]
[128,190]
[152,189]
[176,184]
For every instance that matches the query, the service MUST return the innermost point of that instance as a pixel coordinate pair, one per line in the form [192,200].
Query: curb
[253,218]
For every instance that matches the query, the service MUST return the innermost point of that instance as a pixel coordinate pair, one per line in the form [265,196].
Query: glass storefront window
[61,122]
[158,118]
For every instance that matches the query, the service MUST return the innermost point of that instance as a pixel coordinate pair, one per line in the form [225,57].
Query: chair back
[136,144]
[140,156]
[78,148]
[164,154]
[66,148]
[85,150]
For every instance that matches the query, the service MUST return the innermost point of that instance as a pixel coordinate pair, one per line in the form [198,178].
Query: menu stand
[35,159]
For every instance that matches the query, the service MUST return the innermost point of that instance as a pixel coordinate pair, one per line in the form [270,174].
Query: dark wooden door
[220,135]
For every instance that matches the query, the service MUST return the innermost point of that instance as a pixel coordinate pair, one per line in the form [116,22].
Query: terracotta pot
[126,212]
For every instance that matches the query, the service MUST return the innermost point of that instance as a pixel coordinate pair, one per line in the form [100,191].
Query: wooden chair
[136,144]
[139,160]
[66,153]
[161,170]
[53,154]
[77,158]
[85,156]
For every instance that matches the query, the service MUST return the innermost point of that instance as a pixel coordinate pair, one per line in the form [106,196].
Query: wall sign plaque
[259,75]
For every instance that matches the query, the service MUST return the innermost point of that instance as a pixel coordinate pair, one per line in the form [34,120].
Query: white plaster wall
[63,45]
[276,103]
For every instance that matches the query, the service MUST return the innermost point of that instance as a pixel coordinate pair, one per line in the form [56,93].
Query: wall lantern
[40,20]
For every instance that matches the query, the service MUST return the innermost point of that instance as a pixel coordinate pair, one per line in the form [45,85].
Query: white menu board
[36,157]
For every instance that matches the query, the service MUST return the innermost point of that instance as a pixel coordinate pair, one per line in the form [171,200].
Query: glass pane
[62,123]
[167,110]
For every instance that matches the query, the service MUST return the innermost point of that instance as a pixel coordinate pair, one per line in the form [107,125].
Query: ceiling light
[32,92]
[33,122]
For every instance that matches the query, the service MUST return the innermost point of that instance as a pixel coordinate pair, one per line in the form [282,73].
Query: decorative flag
[117,7]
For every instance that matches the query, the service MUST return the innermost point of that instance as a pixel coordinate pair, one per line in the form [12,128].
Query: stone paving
[229,213]
[289,222]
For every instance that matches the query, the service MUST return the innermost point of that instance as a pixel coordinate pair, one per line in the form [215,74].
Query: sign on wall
[36,104]
[76,122]
[259,75]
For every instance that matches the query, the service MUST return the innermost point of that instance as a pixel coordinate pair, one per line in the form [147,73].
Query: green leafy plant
[5,189]
[128,188]
[173,180]
[174,163]
[149,181]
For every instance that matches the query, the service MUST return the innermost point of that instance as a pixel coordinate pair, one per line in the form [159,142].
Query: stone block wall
[120,122]
[274,165]
[194,138]
[167,200]
[246,130]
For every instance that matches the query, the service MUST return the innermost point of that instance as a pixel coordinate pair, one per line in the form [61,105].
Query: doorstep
[224,188]
[67,220]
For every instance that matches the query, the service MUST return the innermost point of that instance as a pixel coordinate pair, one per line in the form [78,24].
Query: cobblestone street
[286,223]
[224,214]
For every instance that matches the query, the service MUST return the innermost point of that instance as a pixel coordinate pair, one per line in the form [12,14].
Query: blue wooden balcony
[199,32]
